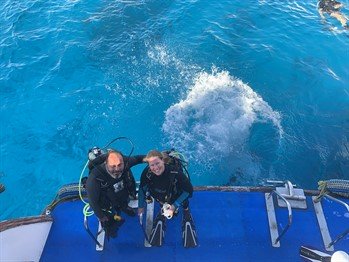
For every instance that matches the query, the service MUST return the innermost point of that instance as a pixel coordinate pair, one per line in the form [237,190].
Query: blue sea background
[247,90]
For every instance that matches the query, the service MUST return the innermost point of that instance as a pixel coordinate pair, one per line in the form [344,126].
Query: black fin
[158,232]
[188,230]
[314,255]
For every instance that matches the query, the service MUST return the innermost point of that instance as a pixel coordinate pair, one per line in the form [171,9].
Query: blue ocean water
[247,90]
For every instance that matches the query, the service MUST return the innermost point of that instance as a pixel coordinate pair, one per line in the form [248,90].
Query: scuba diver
[110,185]
[332,7]
[163,180]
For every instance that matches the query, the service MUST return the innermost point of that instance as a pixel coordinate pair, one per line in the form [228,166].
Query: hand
[140,211]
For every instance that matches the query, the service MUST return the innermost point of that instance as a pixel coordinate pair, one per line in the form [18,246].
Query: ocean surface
[246,90]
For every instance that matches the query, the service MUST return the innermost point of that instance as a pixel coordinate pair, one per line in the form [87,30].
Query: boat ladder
[286,197]
[337,186]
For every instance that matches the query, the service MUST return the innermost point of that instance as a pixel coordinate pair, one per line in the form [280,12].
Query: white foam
[159,54]
[216,116]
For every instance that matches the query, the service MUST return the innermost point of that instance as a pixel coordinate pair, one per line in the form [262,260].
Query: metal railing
[289,214]
[346,232]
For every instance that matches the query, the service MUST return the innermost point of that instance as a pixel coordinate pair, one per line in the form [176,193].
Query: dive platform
[232,224]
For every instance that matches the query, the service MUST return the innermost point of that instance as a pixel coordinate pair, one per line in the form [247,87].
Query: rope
[66,192]
[337,186]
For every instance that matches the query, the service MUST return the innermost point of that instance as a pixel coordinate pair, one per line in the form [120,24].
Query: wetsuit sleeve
[143,187]
[181,199]
[130,180]
[93,193]
[134,160]
[185,186]
[130,183]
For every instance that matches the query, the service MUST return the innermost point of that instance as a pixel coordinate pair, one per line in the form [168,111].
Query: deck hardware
[320,216]
[273,227]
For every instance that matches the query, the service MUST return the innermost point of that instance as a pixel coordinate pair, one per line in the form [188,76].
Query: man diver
[332,7]
[171,188]
[109,186]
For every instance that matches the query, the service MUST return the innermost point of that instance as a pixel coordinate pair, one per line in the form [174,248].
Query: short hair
[113,151]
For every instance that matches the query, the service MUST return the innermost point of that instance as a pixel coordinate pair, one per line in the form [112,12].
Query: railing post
[289,215]
[271,218]
[346,232]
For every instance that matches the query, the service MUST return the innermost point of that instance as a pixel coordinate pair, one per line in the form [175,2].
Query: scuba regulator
[95,152]
[166,211]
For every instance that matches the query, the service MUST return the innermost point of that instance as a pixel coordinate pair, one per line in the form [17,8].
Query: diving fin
[314,255]
[188,230]
[158,232]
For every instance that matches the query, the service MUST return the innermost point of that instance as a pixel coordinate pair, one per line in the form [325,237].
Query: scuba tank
[95,152]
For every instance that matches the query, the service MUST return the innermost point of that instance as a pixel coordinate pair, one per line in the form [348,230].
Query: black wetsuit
[104,191]
[172,186]
[328,6]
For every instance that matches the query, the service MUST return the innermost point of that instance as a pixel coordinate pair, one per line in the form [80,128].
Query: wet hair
[153,153]
[156,153]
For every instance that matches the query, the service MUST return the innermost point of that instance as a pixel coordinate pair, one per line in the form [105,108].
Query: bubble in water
[215,117]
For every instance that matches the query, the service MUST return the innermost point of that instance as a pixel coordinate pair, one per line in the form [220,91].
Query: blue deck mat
[231,226]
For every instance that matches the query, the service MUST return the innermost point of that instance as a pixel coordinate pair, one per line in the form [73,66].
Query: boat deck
[231,226]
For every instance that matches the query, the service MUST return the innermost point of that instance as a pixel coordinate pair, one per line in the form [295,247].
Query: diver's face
[115,164]
[156,165]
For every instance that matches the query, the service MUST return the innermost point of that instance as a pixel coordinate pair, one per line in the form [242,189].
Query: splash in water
[216,116]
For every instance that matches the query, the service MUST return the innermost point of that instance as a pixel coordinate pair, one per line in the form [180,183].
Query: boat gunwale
[12,223]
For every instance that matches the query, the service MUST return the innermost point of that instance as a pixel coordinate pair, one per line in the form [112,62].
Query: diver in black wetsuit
[110,184]
[171,188]
[165,183]
[332,7]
